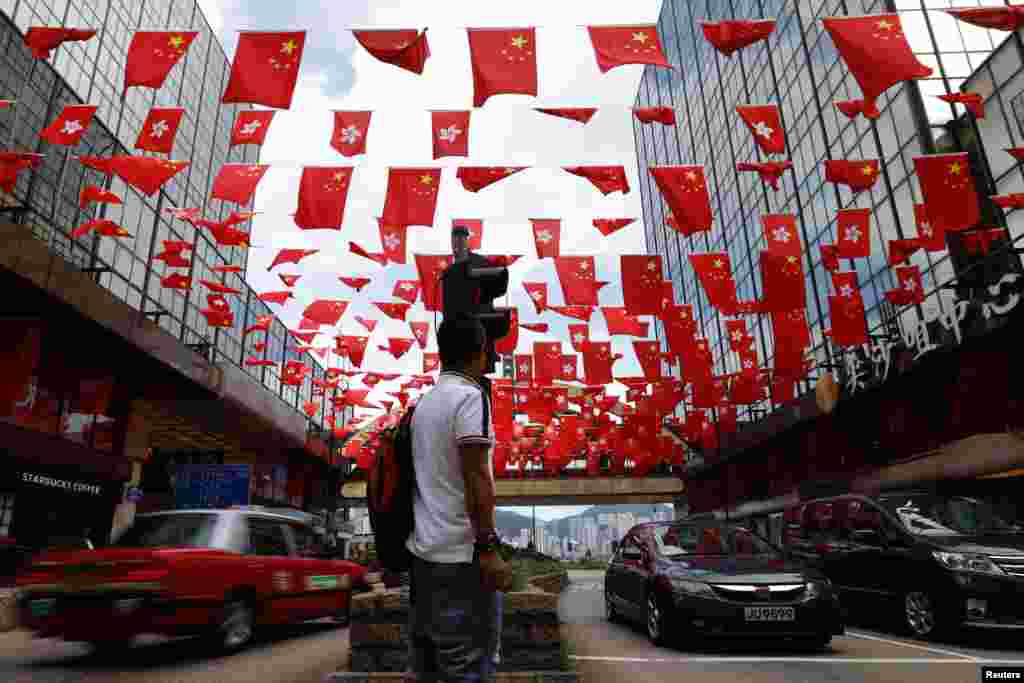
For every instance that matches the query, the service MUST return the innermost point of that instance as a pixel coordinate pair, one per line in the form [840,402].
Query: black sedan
[715,579]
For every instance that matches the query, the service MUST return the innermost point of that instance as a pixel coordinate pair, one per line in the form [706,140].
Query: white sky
[338,74]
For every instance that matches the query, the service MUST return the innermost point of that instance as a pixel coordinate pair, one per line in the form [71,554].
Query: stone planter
[8,611]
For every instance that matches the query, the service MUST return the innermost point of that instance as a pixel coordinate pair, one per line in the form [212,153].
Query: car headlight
[693,588]
[966,562]
[817,588]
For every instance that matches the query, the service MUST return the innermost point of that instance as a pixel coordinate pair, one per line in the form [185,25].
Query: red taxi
[218,573]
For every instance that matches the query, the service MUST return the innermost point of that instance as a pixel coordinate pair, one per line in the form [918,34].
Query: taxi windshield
[162,531]
[938,515]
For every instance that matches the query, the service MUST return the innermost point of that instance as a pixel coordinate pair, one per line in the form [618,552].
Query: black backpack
[389,495]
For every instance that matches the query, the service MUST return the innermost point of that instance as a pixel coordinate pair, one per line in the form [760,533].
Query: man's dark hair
[459,339]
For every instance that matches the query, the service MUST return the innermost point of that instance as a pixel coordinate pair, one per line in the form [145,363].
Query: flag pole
[17,104]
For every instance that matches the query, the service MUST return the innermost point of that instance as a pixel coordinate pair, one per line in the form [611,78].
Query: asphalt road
[303,653]
[867,653]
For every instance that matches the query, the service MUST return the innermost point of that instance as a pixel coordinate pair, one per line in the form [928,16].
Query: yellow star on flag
[691,175]
[867,170]
[955,168]
[339,176]
[640,37]
[885,25]
[519,42]
[176,41]
[289,47]
[426,179]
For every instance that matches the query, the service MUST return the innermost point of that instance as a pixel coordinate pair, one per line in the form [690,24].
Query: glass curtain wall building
[91,72]
[799,69]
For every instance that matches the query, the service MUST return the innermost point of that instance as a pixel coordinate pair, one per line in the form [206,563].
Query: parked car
[220,573]
[708,579]
[935,562]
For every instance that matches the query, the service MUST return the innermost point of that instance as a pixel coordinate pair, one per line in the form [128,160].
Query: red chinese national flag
[450,133]
[948,188]
[42,40]
[265,68]
[848,325]
[714,271]
[356,283]
[547,234]
[431,362]
[974,102]
[152,55]
[857,174]
[1001,18]
[850,108]
[540,328]
[405,48]
[380,259]
[429,267]
[876,52]
[412,196]
[237,182]
[102,226]
[476,178]
[686,193]
[398,346]
[323,191]
[649,355]
[275,297]
[538,293]
[368,323]
[927,236]
[607,179]
[578,312]
[351,128]
[289,280]
[620,322]
[680,328]
[407,290]
[393,311]
[580,114]
[829,257]
[790,330]
[506,346]
[91,193]
[172,254]
[597,363]
[291,256]
[771,172]
[729,36]
[70,126]
[765,124]
[547,357]
[619,45]
[504,61]
[325,311]
[352,347]
[576,275]
[854,228]
[159,130]
[176,281]
[782,277]
[13,162]
[663,115]
[780,234]
[641,283]
[393,239]
[146,174]
[251,126]
[607,226]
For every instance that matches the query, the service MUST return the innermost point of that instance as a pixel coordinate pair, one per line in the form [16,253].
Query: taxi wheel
[609,608]
[922,615]
[236,626]
[656,619]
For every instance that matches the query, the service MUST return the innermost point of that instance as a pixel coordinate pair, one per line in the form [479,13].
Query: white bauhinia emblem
[567,369]
[748,364]
[926,229]
[652,266]
[736,336]
[780,235]
[584,266]
[852,234]
[577,338]
[250,128]
[392,241]
[159,128]
[536,295]
[764,130]
[544,236]
[71,127]
[350,134]
[909,285]
[407,286]
[449,134]
[524,368]
[846,290]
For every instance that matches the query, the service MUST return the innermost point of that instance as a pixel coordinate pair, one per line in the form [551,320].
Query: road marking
[913,646]
[823,659]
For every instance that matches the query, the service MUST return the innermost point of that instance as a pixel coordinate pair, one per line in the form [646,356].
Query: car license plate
[769,613]
[42,608]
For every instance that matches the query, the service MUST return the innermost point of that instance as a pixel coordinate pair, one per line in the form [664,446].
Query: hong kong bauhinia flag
[237,182]
[152,55]
[619,45]
[854,228]
[159,130]
[323,191]
[929,238]
[291,256]
[579,335]
[685,191]
[251,126]
[948,188]
[42,40]
[641,283]
[265,68]
[407,290]
[770,171]
[450,133]
[351,128]
[412,196]
[606,179]
[765,124]
[857,174]
[876,52]
[547,234]
[608,226]
[538,293]
[68,128]
[393,239]
[405,48]
[780,234]
[504,61]
[729,36]
[420,332]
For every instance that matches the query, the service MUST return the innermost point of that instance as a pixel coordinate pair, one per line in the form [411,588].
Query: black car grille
[1011,564]
[751,594]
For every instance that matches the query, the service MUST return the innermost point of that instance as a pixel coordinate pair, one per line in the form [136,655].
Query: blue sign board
[211,486]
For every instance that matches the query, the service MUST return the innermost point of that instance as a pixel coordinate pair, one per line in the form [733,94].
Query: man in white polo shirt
[456,570]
